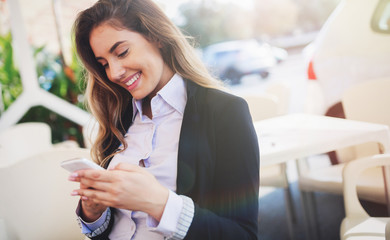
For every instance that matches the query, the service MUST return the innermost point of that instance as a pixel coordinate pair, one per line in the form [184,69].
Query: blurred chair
[90,131]
[357,224]
[27,139]
[329,180]
[372,96]
[22,140]
[262,107]
[35,197]
[282,92]
[369,101]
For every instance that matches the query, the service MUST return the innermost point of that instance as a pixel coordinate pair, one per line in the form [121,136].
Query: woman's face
[130,60]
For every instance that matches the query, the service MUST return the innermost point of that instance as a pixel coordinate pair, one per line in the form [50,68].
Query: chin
[138,96]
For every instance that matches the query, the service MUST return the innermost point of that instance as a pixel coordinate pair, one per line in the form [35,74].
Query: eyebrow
[112,49]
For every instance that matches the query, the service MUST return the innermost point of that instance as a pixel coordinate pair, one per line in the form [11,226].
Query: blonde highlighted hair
[108,101]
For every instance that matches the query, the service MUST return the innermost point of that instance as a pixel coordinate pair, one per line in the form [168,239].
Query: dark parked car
[232,60]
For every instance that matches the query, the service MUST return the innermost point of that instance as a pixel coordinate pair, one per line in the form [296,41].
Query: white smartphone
[76,164]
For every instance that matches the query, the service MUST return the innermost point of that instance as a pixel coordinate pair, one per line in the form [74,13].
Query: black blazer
[218,165]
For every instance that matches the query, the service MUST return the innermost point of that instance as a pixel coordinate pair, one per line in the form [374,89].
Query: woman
[182,155]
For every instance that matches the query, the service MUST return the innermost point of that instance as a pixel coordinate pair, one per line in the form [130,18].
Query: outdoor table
[296,136]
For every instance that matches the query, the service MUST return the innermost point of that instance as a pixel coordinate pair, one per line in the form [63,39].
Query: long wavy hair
[108,101]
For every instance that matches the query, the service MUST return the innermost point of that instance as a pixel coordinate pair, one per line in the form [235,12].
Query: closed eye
[123,53]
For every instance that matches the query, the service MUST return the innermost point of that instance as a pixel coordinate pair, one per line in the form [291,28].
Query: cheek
[153,69]
[156,60]
[159,66]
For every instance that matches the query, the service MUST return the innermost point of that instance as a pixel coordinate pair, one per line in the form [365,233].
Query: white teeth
[133,79]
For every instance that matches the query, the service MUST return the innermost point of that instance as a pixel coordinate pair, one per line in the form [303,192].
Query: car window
[380,21]
[226,57]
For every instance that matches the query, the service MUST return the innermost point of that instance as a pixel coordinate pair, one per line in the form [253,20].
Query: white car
[353,46]
[231,60]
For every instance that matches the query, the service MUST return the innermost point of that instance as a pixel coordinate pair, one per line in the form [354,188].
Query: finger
[94,195]
[108,203]
[98,185]
[96,175]
[128,167]
[74,177]
[90,203]
[83,186]
[85,199]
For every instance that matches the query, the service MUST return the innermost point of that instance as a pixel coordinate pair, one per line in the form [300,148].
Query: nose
[116,71]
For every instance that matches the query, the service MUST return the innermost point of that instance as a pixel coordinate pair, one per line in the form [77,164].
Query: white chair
[35,197]
[372,96]
[90,131]
[26,139]
[369,102]
[357,223]
[22,140]
[262,107]
[329,180]
[282,92]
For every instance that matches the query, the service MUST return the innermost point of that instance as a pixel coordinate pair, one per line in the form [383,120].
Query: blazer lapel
[188,143]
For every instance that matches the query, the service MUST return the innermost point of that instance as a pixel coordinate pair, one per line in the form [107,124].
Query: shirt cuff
[170,217]
[89,228]
[92,226]
[185,219]
[177,217]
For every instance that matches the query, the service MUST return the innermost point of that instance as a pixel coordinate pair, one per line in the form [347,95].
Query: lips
[131,82]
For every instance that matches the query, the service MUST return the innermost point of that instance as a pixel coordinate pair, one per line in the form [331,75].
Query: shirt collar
[173,93]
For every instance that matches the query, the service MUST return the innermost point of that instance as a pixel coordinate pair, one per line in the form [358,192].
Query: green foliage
[10,82]
[58,78]
[53,76]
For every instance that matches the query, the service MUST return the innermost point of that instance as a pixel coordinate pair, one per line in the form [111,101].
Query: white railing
[32,94]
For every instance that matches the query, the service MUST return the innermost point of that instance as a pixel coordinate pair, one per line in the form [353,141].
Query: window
[380,21]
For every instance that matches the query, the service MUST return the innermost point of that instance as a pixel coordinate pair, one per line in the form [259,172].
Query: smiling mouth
[134,78]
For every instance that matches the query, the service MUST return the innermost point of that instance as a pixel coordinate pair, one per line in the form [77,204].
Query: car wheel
[264,74]
[233,75]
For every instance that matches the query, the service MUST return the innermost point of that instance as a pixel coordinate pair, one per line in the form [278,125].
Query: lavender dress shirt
[155,142]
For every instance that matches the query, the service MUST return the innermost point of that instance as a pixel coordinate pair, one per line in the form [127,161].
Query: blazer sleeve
[233,210]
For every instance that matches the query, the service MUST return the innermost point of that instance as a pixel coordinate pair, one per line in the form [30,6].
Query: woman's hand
[126,186]
[90,211]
